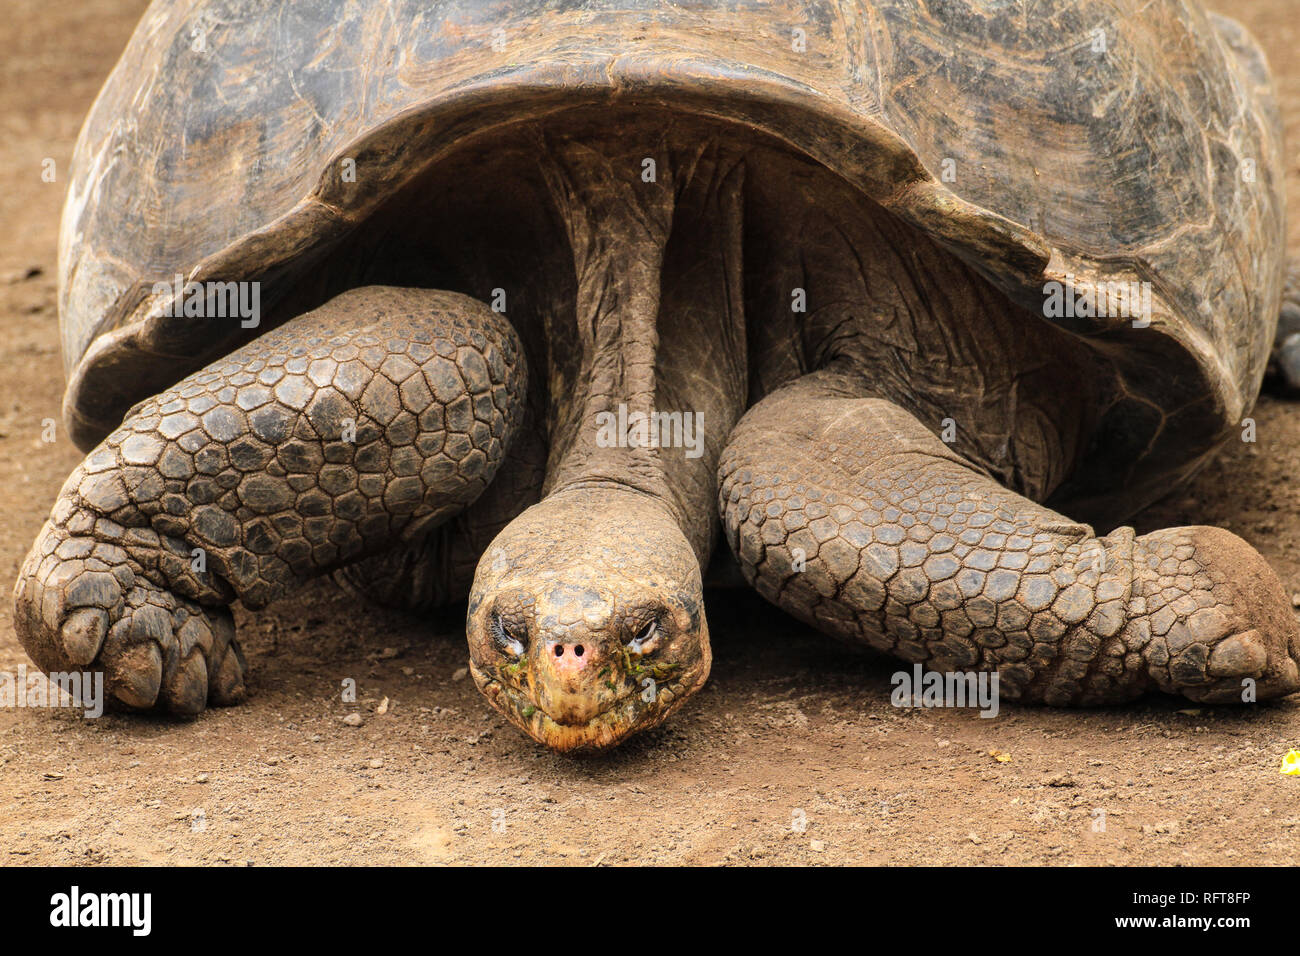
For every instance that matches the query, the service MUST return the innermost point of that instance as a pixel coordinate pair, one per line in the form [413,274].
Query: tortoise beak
[572,669]
[566,679]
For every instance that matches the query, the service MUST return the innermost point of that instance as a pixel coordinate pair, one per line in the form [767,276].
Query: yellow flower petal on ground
[1291,763]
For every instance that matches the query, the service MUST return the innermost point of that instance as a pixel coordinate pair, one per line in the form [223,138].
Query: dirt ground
[792,754]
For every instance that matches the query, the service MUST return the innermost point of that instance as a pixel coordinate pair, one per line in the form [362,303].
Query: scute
[1027,145]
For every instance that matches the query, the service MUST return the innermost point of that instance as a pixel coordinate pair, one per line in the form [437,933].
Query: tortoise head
[586,619]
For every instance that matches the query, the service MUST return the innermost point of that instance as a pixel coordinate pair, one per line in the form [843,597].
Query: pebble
[817,846]
[353,720]
[201,778]
[13,276]
[460,674]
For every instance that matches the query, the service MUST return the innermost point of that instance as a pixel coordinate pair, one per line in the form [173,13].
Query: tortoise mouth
[615,722]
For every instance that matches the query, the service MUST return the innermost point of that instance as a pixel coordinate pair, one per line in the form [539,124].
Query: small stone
[817,846]
[353,720]
[382,708]
[202,778]
[460,673]
[376,763]
[13,276]
[408,671]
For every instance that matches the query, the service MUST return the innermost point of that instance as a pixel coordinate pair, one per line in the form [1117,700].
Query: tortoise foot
[1214,623]
[82,606]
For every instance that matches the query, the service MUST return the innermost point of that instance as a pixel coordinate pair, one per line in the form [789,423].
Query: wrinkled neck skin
[586,620]
[659,322]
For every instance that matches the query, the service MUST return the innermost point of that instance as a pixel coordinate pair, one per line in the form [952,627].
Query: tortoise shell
[1083,142]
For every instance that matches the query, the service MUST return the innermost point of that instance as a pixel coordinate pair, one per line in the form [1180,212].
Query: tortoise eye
[507,639]
[644,637]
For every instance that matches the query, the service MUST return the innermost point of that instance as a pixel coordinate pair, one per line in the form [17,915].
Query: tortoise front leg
[348,430]
[438,569]
[907,547]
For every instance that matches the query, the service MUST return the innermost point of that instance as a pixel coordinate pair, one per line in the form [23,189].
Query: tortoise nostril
[559,650]
[578,650]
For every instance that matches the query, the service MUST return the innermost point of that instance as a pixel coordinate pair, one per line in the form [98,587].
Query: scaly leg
[438,569]
[348,430]
[907,547]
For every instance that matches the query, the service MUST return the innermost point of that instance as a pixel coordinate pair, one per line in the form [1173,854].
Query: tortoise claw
[133,675]
[186,688]
[83,634]
[228,686]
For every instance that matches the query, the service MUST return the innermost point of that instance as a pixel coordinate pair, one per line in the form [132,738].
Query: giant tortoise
[527,302]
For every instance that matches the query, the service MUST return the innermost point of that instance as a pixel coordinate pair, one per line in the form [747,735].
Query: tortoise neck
[653,219]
